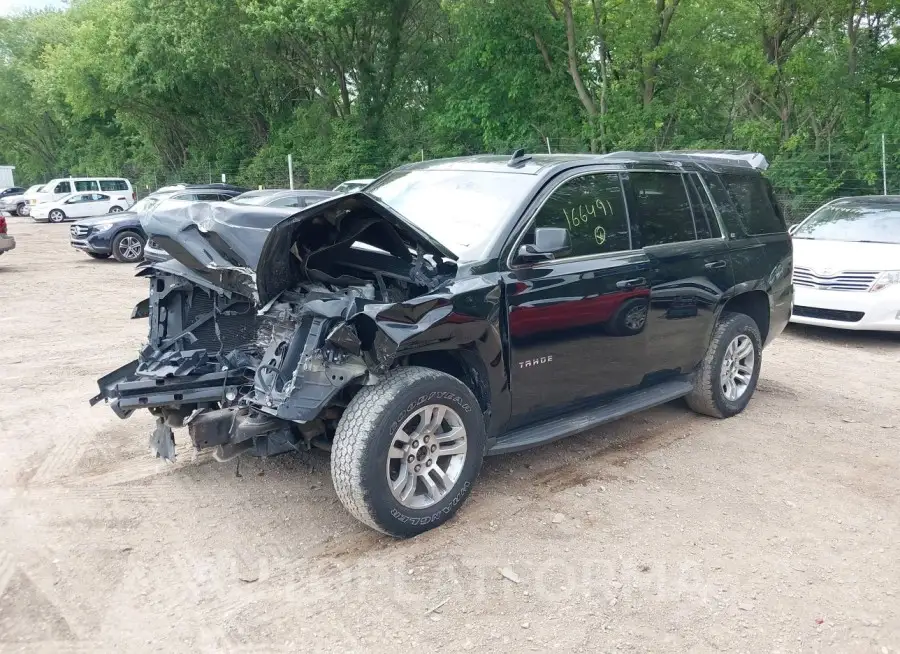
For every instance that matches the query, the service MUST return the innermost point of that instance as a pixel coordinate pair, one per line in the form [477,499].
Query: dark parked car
[121,236]
[480,305]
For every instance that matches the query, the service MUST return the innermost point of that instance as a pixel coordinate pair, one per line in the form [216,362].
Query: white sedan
[81,205]
[847,265]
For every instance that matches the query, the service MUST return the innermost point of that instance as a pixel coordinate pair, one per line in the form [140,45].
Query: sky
[9,7]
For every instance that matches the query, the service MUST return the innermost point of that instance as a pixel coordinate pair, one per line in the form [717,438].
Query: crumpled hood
[250,250]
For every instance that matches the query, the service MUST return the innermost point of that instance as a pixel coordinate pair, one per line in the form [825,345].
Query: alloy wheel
[738,365]
[426,457]
[130,248]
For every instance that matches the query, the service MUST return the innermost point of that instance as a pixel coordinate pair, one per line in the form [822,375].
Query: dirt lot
[773,531]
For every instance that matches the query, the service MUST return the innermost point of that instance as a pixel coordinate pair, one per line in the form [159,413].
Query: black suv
[459,308]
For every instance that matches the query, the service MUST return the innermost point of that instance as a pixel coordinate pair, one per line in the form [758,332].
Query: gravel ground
[773,531]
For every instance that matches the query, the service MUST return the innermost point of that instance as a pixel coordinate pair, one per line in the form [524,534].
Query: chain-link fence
[802,184]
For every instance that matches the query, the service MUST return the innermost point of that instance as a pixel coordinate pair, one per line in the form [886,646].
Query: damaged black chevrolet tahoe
[458,308]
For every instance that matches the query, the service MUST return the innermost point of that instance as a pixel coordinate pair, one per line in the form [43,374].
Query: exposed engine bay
[263,325]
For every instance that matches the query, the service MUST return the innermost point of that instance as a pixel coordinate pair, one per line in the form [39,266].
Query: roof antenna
[518,158]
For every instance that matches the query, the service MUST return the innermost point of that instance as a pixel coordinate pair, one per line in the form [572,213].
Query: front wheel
[128,247]
[727,376]
[407,451]
[20,209]
[115,210]
[56,216]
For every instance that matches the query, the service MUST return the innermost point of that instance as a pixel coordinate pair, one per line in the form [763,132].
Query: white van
[56,189]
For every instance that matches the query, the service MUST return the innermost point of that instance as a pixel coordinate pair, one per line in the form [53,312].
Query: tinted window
[750,195]
[730,216]
[86,185]
[113,185]
[877,222]
[592,208]
[660,208]
[209,197]
[704,216]
[287,201]
[63,187]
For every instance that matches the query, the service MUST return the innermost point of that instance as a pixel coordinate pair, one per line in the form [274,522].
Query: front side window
[86,185]
[63,187]
[592,208]
[660,208]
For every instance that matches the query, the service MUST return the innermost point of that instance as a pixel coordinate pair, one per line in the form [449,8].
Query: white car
[80,205]
[847,265]
[17,205]
[58,189]
[352,185]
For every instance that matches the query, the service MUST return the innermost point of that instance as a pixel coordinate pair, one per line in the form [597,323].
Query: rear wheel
[56,216]
[727,376]
[115,209]
[128,247]
[407,451]
[20,209]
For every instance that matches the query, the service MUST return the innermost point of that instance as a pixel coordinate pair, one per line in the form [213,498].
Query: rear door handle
[631,283]
[713,265]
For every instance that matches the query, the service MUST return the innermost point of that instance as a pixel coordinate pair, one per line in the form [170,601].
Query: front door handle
[631,283]
[713,265]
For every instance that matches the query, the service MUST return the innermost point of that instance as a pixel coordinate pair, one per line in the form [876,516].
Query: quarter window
[86,185]
[592,208]
[661,209]
[113,185]
[751,197]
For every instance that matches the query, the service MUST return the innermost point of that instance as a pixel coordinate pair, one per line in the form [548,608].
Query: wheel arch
[754,304]
[461,364]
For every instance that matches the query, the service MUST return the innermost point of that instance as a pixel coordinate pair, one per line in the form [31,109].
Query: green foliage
[182,90]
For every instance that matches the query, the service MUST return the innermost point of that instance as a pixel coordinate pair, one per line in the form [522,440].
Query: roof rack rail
[755,160]
[518,158]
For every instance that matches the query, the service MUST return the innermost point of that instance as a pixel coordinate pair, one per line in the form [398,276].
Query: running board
[553,429]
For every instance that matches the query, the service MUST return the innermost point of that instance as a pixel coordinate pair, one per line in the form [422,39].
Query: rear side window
[63,187]
[704,217]
[209,197]
[287,201]
[113,185]
[751,198]
[86,185]
[592,208]
[660,208]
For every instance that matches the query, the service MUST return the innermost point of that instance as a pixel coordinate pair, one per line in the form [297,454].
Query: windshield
[146,204]
[873,222]
[35,189]
[460,209]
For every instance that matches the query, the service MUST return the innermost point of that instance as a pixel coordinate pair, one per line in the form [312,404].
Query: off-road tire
[363,436]
[707,397]
[118,240]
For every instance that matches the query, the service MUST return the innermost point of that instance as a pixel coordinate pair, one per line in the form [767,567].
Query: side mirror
[549,243]
[793,228]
